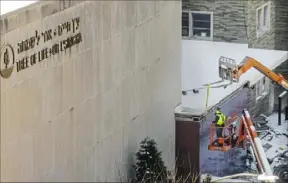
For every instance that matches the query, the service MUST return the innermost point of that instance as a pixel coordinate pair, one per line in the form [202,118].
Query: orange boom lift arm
[229,70]
[251,62]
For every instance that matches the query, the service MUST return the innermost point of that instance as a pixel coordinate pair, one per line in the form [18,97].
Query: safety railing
[225,138]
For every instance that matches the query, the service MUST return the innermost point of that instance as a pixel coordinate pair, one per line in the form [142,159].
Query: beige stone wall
[79,115]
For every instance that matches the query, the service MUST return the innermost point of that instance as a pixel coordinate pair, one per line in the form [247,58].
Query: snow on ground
[228,180]
[200,66]
[276,142]
[10,5]
[214,178]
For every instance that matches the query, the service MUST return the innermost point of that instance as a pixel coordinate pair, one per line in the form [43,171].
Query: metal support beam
[280,97]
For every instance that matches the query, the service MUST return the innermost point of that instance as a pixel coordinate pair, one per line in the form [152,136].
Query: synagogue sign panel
[7,56]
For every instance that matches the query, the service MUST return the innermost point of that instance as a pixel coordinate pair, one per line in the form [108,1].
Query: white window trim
[191,27]
[261,31]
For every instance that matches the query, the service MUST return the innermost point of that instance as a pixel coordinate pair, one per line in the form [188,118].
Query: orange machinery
[229,70]
[237,138]
[233,135]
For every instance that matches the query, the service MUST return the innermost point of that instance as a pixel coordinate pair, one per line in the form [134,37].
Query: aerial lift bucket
[226,68]
[227,133]
[224,142]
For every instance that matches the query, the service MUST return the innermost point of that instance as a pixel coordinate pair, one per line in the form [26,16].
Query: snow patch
[214,178]
[275,143]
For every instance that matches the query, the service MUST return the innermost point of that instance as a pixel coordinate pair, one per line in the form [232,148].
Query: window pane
[265,16]
[201,32]
[185,31]
[259,18]
[201,24]
[185,19]
[200,16]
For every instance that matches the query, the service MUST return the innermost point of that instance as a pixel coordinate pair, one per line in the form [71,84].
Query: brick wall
[281,28]
[228,18]
[267,39]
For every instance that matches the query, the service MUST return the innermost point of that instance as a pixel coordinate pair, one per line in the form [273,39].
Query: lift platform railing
[224,143]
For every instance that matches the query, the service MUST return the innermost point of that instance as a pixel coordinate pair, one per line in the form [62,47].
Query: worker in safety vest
[219,122]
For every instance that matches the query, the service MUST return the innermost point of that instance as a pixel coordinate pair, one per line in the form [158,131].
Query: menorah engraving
[6,58]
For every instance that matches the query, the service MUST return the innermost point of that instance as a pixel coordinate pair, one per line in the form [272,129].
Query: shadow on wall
[222,163]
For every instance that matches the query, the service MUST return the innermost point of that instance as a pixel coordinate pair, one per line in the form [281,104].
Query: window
[259,12]
[265,16]
[197,24]
[263,19]
[262,88]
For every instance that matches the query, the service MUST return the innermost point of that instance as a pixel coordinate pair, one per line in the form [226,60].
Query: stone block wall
[281,25]
[264,105]
[267,39]
[235,21]
[229,22]
[82,95]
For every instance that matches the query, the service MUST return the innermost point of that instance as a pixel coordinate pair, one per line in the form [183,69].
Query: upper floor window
[263,19]
[197,24]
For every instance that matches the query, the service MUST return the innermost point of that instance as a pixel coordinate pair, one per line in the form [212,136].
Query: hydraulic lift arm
[251,62]
[229,70]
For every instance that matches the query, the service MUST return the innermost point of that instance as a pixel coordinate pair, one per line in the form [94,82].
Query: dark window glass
[185,19]
[198,16]
[201,24]
[201,32]
[259,12]
[185,24]
[265,15]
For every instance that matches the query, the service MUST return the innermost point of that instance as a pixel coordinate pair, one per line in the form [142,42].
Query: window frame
[263,25]
[190,26]
[262,88]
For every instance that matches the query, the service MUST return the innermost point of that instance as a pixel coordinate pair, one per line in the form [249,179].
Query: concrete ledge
[197,115]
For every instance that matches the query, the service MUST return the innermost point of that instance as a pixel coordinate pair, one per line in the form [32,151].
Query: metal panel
[187,148]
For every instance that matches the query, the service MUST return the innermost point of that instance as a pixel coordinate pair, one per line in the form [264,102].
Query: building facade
[82,85]
[260,24]
[268,24]
[218,20]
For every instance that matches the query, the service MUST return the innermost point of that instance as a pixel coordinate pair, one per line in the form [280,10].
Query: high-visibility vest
[221,119]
